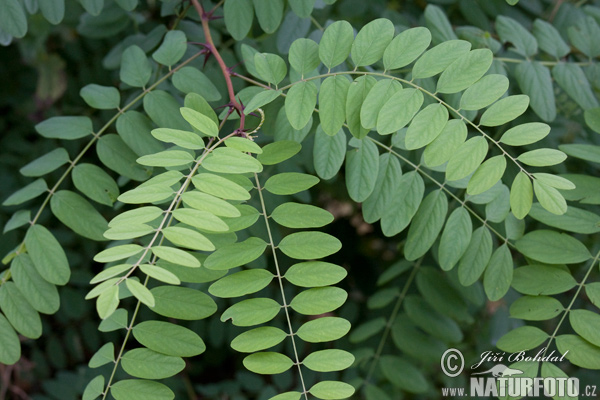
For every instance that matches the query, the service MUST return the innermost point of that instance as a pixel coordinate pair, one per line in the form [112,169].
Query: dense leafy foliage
[303,199]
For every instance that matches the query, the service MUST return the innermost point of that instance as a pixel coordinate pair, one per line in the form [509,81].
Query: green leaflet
[371,41]
[432,322]
[581,36]
[406,47]
[542,157]
[524,134]
[426,126]
[10,347]
[236,254]
[290,183]
[309,245]
[147,194]
[467,158]
[220,187]
[107,301]
[118,253]
[105,355]
[406,200]
[17,220]
[522,338]
[536,308]
[586,152]
[171,49]
[331,390]
[328,360]
[455,238]
[357,93]
[315,273]
[304,55]
[135,67]
[249,215]
[192,81]
[498,274]
[200,121]
[140,292]
[592,118]
[586,324]
[47,255]
[294,215]
[258,339]
[53,11]
[578,351]
[78,214]
[136,216]
[505,110]
[238,17]
[476,257]
[387,178]
[437,59]
[117,156]
[279,151]
[199,103]
[511,31]
[521,195]
[465,71]
[552,247]
[182,303]
[18,312]
[399,110]
[484,92]
[69,128]
[323,329]
[47,163]
[573,220]
[187,140]
[329,153]
[319,300]
[303,9]
[138,389]
[29,192]
[439,24]
[379,94]
[241,283]
[367,330]
[268,362]
[270,67]
[336,43]
[148,364]
[549,39]
[260,100]
[451,137]
[300,103]
[162,108]
[535,81]
[549,198]
[487,175]
[332,103]
[118,320]
[538,280]
[251,312]
[426,225]
[176,256]
[95,183]
[209,203]
[168,338]
[362,165]
[160,274]
[269,14]
[231,161]
[42,295]
[243,144]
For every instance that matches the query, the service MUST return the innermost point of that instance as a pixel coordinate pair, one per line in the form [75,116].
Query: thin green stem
[546,63]
[568,309]
[280,280]
[390,322]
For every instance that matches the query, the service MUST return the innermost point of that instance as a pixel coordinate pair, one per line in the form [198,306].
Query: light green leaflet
[439,151]
[329,153]
[176,256]
[148,364]
[270,67]
[358,91]
[118,253]
[160,274]
[542,157]
[135,67]
[332,390]
[439,58]
[505,110]
[465,71]
[182,303]
[206,202]
[328,360]
[124,232]
[231,161]
[140,292]
[406,47]
[476,257]
[387,179]
[294,215]
[586,324]
[309,245]
[524,134]
[220,187]
[378,95]
[136,216]
[426,126]
[426,225]
[487,175]
[399,110]
[467,158]
[104,355]
[241,283]
[300,103]
[315,273]
[484,92]
[168,338]
[323,329]
[290,183]
[171,49]
[521,195]
[304,55]
[251,312]
[319,300]
[187,140]
[167,158]
[336,43]
[455,238]
[258,339]
[549,198]
[371,41]
[138,389]
[362,166]
[552,247]
[279,151]
[332,103]
[578,351]
[236,254]
[200,121]
[268,362]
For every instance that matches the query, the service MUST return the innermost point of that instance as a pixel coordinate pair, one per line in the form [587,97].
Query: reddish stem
[210,45]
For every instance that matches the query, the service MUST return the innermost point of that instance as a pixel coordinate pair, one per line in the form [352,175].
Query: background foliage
[439,247]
